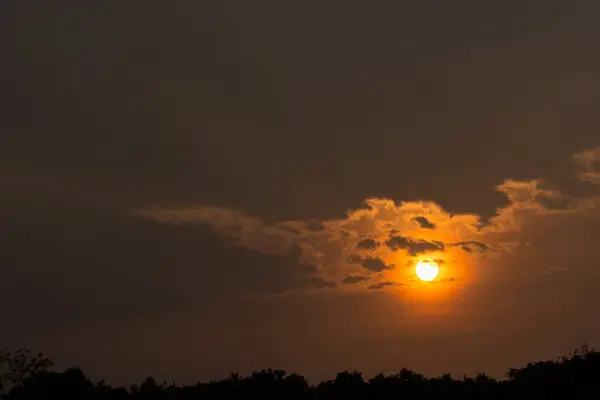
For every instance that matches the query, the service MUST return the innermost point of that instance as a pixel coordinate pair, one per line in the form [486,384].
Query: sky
[196,188]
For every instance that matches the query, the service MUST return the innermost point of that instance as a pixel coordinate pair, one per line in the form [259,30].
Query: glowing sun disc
[427,270]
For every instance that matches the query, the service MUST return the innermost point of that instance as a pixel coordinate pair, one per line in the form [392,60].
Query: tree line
[25,375]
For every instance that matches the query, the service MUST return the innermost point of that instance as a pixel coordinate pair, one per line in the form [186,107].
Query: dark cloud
[307,269]
[472,246]
[413,246]
[424,222]
[381,285]
[315,225]
[317,283]
[355,279]
[83,268]
[553,202]
[373,264]
[376,264]
[94,264]
[290,229]
[368,244]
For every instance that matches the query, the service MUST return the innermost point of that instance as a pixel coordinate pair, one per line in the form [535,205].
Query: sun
[427,270]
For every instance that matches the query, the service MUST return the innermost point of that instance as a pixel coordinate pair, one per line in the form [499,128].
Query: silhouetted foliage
[17,366]
[574,376]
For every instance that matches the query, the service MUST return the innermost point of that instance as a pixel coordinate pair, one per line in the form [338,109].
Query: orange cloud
[376,246]
[589,163]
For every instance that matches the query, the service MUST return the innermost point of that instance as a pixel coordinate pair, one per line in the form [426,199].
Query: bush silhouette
[574,376]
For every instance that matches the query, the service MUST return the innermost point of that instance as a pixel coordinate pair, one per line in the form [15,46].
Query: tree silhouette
[20,365]
[572,376]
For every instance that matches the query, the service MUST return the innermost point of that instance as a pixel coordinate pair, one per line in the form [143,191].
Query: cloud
[315,226]
[473,246]
[369,242]
[94,265]
[588,162]
[424,222]
[86,266]
[318,283]
[381,285]
[553,201]
[413,246]
[341,249]
[374,264]
[355,279]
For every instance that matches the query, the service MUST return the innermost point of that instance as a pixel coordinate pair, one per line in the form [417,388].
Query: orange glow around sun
[433,283]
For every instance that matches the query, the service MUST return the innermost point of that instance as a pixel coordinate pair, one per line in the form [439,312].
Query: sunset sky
[193,188]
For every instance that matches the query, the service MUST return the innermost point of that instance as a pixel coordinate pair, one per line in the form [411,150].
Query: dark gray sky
[183,186]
